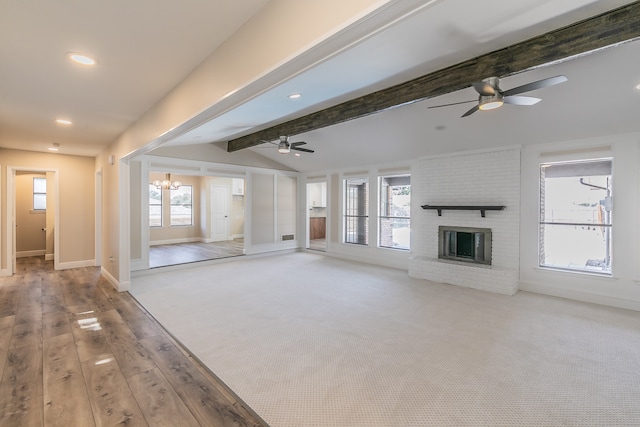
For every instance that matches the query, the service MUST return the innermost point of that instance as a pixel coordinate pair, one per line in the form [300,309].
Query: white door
[219,213]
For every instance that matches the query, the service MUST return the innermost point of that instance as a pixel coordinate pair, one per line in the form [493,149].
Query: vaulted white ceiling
[146,48]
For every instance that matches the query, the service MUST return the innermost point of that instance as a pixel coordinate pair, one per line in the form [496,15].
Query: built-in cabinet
[317,194]
[317,228]
[237,187]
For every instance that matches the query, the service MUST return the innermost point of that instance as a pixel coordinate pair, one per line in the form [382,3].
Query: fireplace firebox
[465,244]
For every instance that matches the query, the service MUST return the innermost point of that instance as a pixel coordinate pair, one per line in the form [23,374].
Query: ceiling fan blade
[471,111]
[295,144]
[268,142]
[453,103]
[521,100]
[536,85]
[484,89]
[306,150]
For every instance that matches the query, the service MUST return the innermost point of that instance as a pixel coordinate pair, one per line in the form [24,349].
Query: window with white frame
[395,212]
[181,206]
[575,216]
[155,206]
[39,194]
[356,211]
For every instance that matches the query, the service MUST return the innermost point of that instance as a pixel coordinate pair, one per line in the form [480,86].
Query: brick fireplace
[478,178]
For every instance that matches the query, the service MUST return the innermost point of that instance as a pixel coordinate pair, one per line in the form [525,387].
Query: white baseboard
[272,247]
[174,241]
[77,264]
[49,257]
[389,262]
[237,236]
[581,296]
[118,286]
[4,272]
[25,254]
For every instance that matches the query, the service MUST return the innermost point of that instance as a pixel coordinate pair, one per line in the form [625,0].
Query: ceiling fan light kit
[490,102]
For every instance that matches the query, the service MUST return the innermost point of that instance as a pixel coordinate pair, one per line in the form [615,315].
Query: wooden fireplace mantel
[482,209]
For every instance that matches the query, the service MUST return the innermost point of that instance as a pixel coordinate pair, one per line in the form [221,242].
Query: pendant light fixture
[167,183]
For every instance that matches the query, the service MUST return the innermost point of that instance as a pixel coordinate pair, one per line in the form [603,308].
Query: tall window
[395,212]
[356,211]
[181,206]
[575,215]
[39,194]
[155,206]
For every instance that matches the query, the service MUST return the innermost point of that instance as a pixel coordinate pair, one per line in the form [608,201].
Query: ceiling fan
[492,97]
[284,146]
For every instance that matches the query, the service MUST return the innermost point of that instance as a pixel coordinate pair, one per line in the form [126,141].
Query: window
[575,216]
[39,194]
[395,212]
[356,208]
[181,207]
[155,206]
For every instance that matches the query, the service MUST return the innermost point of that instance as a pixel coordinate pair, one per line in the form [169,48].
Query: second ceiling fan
[284,146]
[492,97]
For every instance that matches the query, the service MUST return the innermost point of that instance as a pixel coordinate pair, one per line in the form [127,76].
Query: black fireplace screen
[465,244]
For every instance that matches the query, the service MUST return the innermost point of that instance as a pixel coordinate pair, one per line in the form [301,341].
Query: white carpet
[308,340]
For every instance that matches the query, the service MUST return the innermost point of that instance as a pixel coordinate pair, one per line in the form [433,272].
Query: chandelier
[167,183]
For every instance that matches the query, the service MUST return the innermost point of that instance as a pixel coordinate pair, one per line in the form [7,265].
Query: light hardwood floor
[184,253]
[74,352]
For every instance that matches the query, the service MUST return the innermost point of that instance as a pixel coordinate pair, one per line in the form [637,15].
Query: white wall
[622,289]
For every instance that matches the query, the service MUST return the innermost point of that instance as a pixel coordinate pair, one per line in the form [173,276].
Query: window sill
[578,272]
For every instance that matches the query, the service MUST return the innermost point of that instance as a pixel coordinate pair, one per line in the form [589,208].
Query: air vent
[287,237]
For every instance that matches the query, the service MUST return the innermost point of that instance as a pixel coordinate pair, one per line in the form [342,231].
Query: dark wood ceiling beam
[585,37]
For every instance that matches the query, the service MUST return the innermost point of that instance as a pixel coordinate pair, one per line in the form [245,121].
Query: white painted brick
[490,178]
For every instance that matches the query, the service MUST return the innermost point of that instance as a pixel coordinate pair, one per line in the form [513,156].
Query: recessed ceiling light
[637,87]
[295,96]
[54,147]
[82,59]
[63,121]
[297,154]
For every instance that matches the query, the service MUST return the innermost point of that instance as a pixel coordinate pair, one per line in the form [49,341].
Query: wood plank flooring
[74,352]
[184,253]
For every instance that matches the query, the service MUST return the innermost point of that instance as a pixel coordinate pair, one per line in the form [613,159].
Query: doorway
[217,227]
[317,216]
[32,206]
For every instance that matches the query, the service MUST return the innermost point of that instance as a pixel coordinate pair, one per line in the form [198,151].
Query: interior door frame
[10,232]
[316,180]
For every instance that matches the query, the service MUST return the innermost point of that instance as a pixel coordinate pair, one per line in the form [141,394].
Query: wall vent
[287,237]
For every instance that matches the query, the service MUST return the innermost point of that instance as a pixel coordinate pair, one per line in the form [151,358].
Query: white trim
[118,286]
[371,259]
[25,254]
[204,168]
[145,230]
[49,257]
[124,248]
[287,245]
[472,152]
[76,264]
[98,217]
[581,296]
[174,241]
